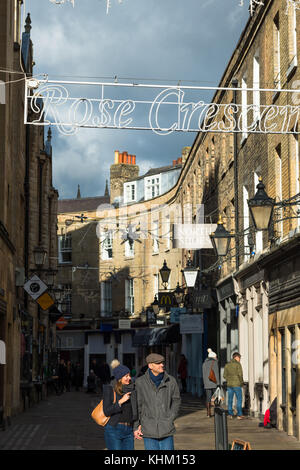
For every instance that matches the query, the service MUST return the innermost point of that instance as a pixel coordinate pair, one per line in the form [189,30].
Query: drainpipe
[236,192]
[26,228]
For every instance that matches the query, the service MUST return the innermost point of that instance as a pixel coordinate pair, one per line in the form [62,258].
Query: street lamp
[221,239]
[39,254]
[178,293]
[155,305]
[57,293]
[190,274]
[165,274]
[51,277]
[261,207]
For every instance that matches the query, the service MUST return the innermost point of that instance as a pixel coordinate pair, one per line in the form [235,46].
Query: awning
[156,336]
[141,337]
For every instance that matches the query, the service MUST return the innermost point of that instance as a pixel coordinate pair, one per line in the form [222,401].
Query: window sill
[155,254]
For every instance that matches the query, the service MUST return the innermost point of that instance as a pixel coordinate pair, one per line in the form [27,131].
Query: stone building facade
[27,218]
[256,286]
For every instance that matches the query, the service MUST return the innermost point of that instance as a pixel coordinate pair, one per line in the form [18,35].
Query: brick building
[258,280]
[27,221]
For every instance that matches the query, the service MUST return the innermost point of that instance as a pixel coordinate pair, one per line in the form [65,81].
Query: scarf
[128,388]
[156,379]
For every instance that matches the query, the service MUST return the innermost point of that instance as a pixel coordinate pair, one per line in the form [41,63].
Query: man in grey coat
[210,364]
[158,401]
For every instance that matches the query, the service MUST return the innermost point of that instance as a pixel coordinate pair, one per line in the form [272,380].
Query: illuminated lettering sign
[161,109]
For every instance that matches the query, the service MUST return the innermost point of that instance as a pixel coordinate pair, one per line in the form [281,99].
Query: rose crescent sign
[162,109]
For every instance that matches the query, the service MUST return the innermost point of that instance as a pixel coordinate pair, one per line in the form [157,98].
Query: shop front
[228,322]
[192,332]
[252,320]
[283,271]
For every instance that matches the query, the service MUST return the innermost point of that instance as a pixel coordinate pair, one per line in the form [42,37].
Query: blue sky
[161,41]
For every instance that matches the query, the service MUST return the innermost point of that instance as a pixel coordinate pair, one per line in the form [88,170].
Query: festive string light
[60,2]
[252,5]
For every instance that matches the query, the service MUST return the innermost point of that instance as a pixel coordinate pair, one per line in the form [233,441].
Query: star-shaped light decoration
[252,5]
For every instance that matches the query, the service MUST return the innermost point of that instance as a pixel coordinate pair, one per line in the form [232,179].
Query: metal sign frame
[168,109]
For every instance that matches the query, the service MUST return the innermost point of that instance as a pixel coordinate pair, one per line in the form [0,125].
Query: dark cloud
[162,41]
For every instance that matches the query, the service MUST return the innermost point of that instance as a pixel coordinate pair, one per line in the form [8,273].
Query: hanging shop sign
[193,236]
[35,287]
[61,323]
[175,313]
[166,299]
[45,301]
[124,324]
[202,299]
[190,324]
[162,109]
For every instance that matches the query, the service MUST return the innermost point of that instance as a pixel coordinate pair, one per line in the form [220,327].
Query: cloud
[139,39]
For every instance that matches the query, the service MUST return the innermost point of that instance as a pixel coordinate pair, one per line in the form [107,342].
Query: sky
[141,41]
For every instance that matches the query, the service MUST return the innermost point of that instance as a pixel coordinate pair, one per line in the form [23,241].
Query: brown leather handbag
[212,375]
[98,413]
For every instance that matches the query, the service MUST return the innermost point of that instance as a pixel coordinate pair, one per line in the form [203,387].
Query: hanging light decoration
[252,5]
[60,2]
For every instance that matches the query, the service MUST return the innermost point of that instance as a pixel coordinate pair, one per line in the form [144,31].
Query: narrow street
[63,423]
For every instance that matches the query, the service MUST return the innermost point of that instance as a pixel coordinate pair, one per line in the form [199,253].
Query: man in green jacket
[233,374]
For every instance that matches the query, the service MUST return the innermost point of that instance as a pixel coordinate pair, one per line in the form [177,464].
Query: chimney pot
[174,162]
[133,160]
[116,157]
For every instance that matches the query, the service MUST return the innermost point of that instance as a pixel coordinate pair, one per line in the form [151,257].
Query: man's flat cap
[154,359]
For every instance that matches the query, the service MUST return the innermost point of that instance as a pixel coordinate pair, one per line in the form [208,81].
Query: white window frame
[277,75]
[106,240]
[256,86]
[244,109]
[155,233]
[129,295]
[156,285]
[297,169]
[246,220]
[152,188]
[106,298]
[258,233]
[129,249]
[130,192]
[278,173]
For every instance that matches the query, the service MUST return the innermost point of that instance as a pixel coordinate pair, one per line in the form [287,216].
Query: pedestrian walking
[97,371]
[62,376]
[233,375]
[92,382]
[119,403]
[158,401]
[68,376]
[78,376]
[182,372]
[211,378]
